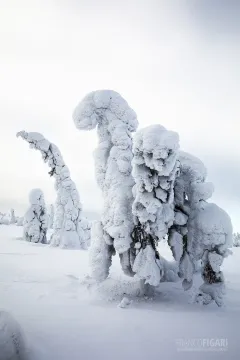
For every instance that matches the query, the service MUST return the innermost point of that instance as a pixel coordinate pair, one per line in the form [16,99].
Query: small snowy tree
[35,220]
[4,220]
[11,215]
[115,121]
[155,166]
[68,210]
[236,239]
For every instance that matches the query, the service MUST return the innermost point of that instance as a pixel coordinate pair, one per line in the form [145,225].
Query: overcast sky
[175,62]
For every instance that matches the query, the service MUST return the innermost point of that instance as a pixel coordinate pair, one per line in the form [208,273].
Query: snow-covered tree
[67,231]
[236,239]
[12,341]
[201,231]
[51,217]
[35,219]
[11,216]
[155,165]
[4,219]
[115,121]
[192,174]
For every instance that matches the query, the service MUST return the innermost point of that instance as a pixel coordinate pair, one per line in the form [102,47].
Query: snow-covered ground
[65,317]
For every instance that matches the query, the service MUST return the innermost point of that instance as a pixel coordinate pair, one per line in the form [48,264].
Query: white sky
[175,62]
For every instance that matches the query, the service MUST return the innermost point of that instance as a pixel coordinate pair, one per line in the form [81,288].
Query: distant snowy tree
[68,210]
[155,165]
[51,217]
[35,220]
[4,219]
[84,227]
[11,215]
[236,239]
[115,121]
[12,341]
[9,218]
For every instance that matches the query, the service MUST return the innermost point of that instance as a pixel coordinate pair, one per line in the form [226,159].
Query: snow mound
[12,342]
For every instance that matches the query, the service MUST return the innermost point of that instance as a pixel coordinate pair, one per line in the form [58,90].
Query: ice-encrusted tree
[201,230]
[67,231]
[35,219]
[115,121]
[11,216]
[155,165]
[192,174]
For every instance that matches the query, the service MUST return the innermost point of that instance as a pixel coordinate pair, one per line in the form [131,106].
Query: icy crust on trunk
[35,222]
[155,153]
[67,231]
[115,121]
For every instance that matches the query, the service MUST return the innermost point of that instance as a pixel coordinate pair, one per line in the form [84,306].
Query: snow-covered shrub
[209,239]
[236,239]
[35,219]
[4,219]
[51,217]
[68,210]
[12,342]
[115,121]
[9,218]
[155,153]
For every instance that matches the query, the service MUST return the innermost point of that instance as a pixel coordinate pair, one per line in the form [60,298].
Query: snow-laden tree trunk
[36,220]
[155,165]
[12,342]
[115,121]
[100,254]
[67,231]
